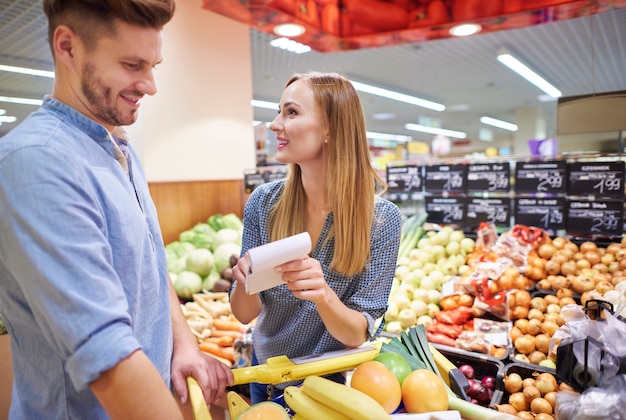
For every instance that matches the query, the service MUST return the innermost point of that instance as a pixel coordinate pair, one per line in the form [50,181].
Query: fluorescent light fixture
[523,70]
[290,45]
[387,136]
[435,130]
[396,96]
[7,119]
[499,123]
[2,111]
[289,29]
[465,29]
[264,104]
[30,72]
[23,101]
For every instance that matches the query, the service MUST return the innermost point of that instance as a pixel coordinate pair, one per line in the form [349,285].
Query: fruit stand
[493,304]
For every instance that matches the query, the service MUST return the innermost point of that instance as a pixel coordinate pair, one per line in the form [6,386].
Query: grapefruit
[374,379]
[423,391]
[396,363]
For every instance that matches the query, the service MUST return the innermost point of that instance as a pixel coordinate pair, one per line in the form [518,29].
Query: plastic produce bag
[594,403]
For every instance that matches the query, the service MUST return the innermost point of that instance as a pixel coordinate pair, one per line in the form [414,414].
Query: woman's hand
[305,279]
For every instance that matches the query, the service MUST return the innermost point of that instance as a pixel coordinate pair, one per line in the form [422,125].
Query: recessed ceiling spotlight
[289,29]
[465,29]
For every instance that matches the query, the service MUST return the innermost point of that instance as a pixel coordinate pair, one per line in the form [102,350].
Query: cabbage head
[179,248]
[176,264]
[209,281]
[200,261]
[222,255]
[226,235]
[186,283]
[231,221]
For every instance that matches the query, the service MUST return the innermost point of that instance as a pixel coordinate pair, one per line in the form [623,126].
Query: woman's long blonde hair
[352,181]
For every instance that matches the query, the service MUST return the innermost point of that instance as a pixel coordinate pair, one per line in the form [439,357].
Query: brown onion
[551,398]
[546,382]
[506,408]
[540,405]
[542,343]
[525,344]
[530,393]
[518,401]
[588,246]
[512,383]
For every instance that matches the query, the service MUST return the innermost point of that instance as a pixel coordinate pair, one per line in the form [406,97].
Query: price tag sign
[489,177]
[496,211]
[404,179]
[445,210]
[546,213]
[251,181]
[604,217]
[541,177]
[602,179]
[445,178]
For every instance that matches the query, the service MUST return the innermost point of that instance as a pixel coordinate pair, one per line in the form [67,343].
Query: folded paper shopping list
[264,258]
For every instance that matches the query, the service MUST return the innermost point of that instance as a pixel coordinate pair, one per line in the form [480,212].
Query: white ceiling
[579,56]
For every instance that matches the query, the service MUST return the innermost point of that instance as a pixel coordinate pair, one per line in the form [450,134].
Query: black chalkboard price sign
[602,179]
[404,179]
[445,210]
[541,177]
[445,178]
[251,181]
[546,213]
[496,211]
[604,217]
[488,177]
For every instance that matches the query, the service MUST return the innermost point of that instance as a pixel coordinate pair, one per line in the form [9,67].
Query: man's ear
[64,44]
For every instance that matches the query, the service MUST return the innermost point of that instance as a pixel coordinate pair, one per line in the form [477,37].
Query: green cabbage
[186,283]
[226,235]
[222,254]
[209,281]
[200,261]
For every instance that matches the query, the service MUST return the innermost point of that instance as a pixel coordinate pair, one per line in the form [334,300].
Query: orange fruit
[423,391]
[376,380]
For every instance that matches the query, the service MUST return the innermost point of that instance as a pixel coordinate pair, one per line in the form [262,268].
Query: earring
[326,141]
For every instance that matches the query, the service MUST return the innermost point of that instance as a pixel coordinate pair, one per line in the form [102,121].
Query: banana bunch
[323,399]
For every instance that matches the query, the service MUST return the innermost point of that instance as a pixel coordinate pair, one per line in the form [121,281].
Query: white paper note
[264,258]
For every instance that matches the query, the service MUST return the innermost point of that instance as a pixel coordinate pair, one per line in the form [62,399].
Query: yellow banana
[349,401]
[308,408]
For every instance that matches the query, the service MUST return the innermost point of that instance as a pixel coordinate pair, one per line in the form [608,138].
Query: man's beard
[101,99]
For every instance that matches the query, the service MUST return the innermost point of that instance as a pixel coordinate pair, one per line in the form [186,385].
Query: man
[96,328]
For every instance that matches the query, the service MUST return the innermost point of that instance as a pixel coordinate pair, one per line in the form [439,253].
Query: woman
[330,299]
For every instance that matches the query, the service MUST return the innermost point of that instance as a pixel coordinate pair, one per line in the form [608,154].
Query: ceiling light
[24,101]
[465,29]
[396,96]
[7,119]
[3,111]
[387,136]
[24,70]
[290,45]
[520,68]
[264,104]
[499,123]
[289,29]
[435,130]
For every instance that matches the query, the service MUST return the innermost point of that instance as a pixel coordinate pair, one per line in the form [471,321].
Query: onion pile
[531,397]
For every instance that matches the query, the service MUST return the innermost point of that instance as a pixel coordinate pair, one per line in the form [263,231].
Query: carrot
[225,341]
[222,324]
[224,333]
[215,349]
